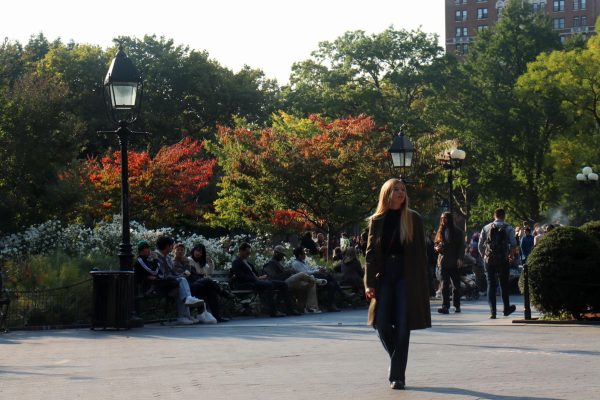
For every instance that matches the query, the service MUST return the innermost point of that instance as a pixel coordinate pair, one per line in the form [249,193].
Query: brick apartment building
[464,18]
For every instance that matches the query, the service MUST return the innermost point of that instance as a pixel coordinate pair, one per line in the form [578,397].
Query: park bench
[245,302]
[155,306]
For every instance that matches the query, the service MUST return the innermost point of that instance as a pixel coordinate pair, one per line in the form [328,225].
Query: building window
[481,28]
[460,15]
[482,13]
[462,48]
[460,1]
[575,5]
[583,20]
[583,4]
[482,1]
[559,5]
[464,32]
[575,22]
[558,23]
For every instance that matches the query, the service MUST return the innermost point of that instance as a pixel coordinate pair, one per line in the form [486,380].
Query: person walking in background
[526,244]
[478,269]
[396,276]
[449,244]
[498,246]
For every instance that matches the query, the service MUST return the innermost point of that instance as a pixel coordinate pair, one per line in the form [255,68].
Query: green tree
[383,75]
[570,78]
[507,133]
[326,174]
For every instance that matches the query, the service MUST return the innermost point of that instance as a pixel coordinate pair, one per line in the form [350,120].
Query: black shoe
[443,310]
[510,310]
[294,312]
[397,385]
[492,316]
[333,309]
[457,310]
[223,319]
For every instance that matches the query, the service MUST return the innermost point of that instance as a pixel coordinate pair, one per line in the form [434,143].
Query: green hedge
[592,228]
[564,272]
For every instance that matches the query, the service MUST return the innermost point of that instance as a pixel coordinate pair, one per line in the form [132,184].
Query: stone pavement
[327,356]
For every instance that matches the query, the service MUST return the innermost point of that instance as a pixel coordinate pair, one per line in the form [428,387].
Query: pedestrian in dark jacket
[396,276]
[449,244]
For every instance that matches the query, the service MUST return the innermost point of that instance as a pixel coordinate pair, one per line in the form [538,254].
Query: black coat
[416,277]
[452,250]
[242,273]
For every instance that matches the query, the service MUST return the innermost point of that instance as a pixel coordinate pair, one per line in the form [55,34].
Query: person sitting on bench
[332,287]
[247,278]
[301,284]
[165,271]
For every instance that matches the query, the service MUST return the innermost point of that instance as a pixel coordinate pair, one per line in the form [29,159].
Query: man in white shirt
[299,265]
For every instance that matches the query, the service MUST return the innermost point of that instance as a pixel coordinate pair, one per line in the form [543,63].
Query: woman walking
[396,276]
[449,244]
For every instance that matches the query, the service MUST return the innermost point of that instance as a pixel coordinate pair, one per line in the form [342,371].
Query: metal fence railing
[67,306]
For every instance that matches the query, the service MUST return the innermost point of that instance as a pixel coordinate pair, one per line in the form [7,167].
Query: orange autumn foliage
[163,189]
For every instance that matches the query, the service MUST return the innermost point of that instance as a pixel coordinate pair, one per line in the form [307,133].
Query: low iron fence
[67,306]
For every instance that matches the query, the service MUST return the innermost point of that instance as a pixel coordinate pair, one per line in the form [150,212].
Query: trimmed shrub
[564,272]
[592,228]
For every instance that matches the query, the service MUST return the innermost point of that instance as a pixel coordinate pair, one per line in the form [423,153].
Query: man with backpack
[497,246]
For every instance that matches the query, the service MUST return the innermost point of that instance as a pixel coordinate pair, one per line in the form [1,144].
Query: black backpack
[496,245]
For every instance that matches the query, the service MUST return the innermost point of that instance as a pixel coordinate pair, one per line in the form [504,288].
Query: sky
[266,34]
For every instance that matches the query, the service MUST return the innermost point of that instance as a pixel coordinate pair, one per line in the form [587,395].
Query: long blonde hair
[385,195]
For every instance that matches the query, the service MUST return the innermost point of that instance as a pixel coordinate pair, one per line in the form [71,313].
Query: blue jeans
[502,270]
[391,325]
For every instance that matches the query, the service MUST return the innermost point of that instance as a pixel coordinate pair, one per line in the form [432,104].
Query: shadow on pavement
[476,394]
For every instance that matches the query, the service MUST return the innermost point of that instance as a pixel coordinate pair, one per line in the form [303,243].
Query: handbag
[206,318]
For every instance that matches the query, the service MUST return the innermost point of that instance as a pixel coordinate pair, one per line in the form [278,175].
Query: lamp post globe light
[587,175]
[586,178]
[402,151]
[122,97]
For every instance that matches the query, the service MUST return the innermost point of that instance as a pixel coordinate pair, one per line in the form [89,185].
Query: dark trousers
[450,276]
[332,287]
[208,290]
[391,325]
[502,271]
[267,287]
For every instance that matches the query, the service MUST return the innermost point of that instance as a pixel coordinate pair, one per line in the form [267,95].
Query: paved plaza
[327,356]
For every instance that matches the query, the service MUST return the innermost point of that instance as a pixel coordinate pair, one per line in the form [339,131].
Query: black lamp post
[123,96]
[586,178]
[453,159]
[402,151]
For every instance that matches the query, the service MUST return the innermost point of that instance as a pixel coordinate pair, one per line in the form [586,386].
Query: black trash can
[113,299]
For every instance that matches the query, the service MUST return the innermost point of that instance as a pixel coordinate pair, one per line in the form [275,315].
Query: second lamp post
[452,160]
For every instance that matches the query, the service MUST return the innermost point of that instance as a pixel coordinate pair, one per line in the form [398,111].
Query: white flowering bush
[103,240]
